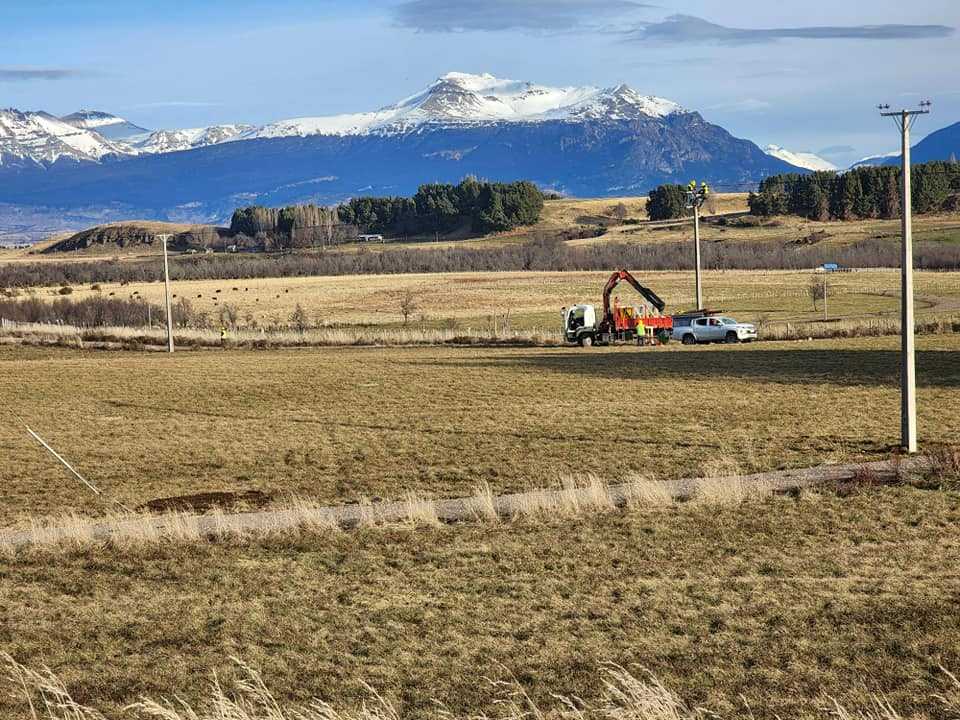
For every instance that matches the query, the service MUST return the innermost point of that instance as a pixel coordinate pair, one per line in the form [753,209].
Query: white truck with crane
[647,325]
[618,324]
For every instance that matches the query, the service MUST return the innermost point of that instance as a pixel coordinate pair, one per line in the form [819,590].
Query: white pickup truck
[693,329]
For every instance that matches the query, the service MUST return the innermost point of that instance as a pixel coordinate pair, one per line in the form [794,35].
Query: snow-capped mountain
[583,141]
[164,141]
[28,138]
[104,124]
[454,99]
[874,160]
[805,160]
[460,98]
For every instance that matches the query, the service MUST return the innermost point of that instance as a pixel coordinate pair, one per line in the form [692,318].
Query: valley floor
[775,604]
[341,424]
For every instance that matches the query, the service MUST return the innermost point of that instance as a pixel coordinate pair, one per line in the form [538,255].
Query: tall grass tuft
[44,695]
[624,696]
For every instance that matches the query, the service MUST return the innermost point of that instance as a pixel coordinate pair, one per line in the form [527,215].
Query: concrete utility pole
[166,287]
[908,375]
[695,199]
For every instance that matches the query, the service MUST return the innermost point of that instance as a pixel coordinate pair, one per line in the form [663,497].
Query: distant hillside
[943,144]
[142,236]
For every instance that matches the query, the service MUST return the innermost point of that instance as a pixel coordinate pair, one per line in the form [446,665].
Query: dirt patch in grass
[203,502]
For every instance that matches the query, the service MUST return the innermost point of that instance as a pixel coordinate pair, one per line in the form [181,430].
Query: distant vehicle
[370,238]
[707,327]
[832,268]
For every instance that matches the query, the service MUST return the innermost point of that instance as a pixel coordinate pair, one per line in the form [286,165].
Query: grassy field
[774,604]
[771,606]
[342,424]
[533,299]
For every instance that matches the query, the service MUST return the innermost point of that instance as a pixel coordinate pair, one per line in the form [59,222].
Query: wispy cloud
[176,103]
[746,105]
[499,15]
[688,29]
[26,74]
[672,62]
[837,150]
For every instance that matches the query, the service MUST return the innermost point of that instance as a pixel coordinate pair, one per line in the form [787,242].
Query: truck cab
[580,324]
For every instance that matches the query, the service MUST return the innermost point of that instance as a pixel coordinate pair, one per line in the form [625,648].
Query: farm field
[532,300]
[342,424]
[777,606]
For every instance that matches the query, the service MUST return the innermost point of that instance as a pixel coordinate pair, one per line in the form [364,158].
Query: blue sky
[805,75]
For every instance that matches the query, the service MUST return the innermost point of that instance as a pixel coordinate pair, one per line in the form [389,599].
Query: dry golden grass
[532,300]
[342,424]
[776,606]
[625,697]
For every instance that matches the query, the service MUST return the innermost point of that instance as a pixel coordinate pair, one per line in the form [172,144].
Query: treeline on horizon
[545,253]
[481,207]
[858,194]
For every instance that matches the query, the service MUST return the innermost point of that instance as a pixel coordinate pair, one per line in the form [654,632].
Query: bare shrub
[817,289]
[545,251]
[408,306]
[299,319]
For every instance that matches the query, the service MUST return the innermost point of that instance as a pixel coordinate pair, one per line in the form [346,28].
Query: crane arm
[624,276]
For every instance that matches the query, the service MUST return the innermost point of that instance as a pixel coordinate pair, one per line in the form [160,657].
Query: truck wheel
[732,338]
[586,341]
[689,339]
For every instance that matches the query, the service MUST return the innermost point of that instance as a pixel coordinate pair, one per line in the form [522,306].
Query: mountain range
[583,141]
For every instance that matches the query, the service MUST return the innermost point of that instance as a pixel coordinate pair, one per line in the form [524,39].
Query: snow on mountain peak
[805,160]
[163,141]
[42,138]
[91,119]
[465,98]
[109,126]
[455,98]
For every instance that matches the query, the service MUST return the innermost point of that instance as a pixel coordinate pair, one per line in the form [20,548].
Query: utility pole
[695,199]
[908,374]
[166,287]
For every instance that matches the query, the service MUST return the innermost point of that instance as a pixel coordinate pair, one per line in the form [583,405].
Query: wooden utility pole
[166,288]
[908,370]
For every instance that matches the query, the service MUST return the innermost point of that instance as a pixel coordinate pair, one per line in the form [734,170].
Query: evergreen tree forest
[481,207]
[861,193]
[438,208]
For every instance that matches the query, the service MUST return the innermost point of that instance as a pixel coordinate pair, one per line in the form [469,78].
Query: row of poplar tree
[865,192]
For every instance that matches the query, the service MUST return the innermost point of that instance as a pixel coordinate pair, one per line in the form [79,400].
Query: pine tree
[890,196]
[493,218]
